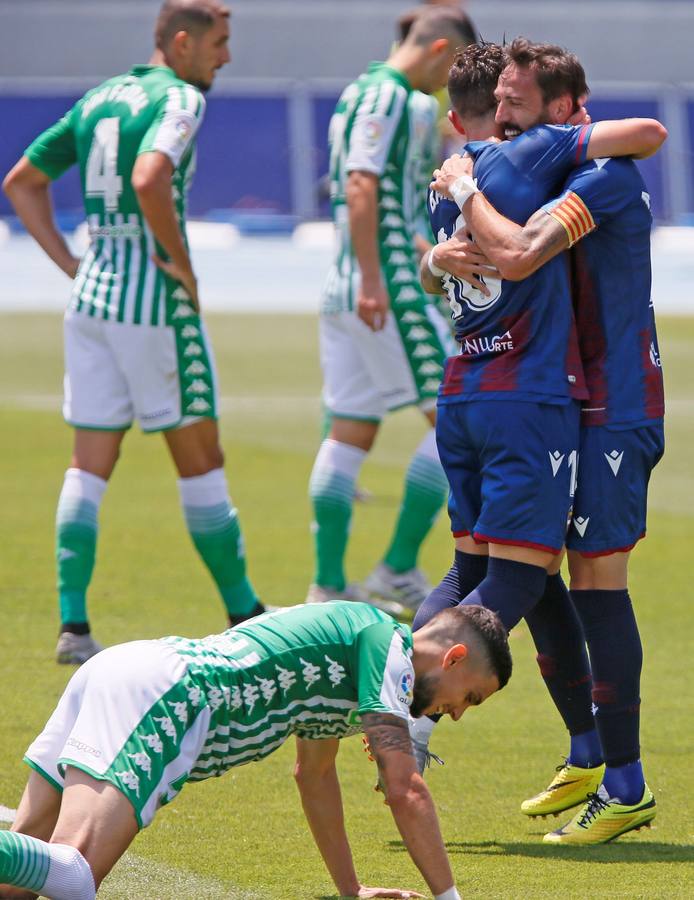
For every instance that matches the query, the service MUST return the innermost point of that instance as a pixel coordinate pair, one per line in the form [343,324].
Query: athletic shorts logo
[581,524]
[556,459]
[614,460]
[82,747]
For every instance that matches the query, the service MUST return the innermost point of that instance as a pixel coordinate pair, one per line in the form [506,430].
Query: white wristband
[450,894]
[462,189]
[435,270]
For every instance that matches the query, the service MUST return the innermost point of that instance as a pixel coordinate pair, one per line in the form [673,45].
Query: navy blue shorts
[511,466]
[612,491]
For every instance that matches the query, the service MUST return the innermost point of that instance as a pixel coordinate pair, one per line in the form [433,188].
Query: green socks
[426,490]
[215,530]
[332,494]
[76,534]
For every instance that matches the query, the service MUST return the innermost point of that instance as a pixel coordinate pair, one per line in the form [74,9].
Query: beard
[423,694]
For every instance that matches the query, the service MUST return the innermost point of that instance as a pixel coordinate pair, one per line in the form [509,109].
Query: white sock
[69,876]
[343,458]
[209,489]
[427,446]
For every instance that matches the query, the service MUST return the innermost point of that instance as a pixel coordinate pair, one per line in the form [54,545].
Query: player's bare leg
[38,809]
[96,824]
[96,819]
[211,518]
[195,449]
[606,573]
[37,815]
[94,457]
[96,451]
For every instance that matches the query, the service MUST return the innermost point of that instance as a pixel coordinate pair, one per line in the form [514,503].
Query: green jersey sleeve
[177,120]
[55,149]
[376,122]
[385,678]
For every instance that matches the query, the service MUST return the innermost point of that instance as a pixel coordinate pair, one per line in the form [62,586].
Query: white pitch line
[7,814]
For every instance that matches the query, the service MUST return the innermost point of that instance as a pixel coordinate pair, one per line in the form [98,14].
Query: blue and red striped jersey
[612,291]
[520,342]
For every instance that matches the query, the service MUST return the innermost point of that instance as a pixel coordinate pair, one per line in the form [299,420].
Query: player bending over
[141,719]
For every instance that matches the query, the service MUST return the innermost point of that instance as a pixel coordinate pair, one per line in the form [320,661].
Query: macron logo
[64,554]
[556,459]
[581,524]
[614,460]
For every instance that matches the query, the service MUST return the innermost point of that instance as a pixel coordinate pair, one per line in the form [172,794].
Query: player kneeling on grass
[139,720]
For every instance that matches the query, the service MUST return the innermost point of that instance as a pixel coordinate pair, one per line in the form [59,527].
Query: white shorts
[163,376]
[367,374]
[117,722]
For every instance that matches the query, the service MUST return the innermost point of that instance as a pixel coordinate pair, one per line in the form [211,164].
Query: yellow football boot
[601,820]
[569,787]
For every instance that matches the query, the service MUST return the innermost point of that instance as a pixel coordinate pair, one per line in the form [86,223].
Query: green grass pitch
[243,836]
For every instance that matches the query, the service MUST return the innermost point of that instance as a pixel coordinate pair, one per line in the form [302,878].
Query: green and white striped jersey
[148,108]
[309,670]
[382,126]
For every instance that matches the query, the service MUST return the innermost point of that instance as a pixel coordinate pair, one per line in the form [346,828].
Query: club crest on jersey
[406,687]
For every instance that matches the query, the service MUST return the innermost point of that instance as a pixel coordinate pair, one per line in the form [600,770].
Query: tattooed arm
[408,797]
[516,250]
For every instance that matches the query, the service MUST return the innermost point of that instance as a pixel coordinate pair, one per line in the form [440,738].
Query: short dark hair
[194,16]
[558,70]
[485,628]
[426,24]
[473,77]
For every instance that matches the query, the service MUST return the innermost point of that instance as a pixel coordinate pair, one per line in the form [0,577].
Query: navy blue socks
[510,589]
[616,657]
[464,575]
[563,661]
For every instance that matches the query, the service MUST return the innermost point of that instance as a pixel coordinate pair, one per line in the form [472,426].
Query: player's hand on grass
[373,304]
[185,275]
[450,171]
[462,258]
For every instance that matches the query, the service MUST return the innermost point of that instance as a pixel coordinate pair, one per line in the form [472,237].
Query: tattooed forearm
[544,236]
[385,733]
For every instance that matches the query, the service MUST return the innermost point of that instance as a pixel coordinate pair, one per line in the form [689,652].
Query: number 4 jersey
[147,109]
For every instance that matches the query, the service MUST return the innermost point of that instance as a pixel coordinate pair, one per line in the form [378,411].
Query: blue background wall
[245,156]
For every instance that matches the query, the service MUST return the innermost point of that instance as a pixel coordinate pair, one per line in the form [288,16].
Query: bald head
[192,16]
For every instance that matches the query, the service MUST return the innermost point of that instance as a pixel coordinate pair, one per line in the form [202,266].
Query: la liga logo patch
[405,687]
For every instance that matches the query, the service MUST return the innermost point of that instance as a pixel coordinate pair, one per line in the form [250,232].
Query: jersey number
[102,176]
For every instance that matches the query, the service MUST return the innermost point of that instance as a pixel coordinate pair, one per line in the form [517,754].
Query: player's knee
[69,875]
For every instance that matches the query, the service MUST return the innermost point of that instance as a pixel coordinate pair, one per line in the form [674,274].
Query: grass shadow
[632,852]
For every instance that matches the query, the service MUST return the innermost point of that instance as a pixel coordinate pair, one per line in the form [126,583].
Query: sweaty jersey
[612,291]
[520,342]
[312,671]
[381,126]
[148,108]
